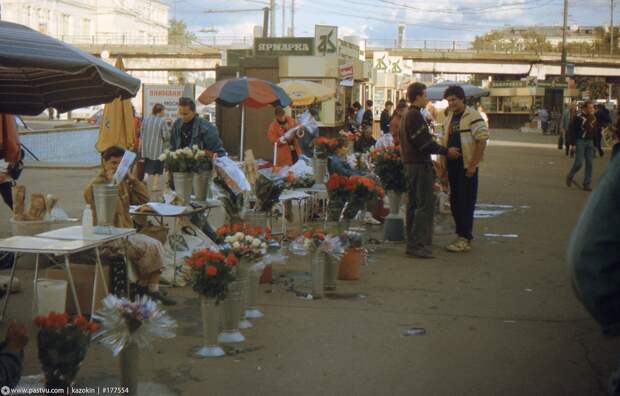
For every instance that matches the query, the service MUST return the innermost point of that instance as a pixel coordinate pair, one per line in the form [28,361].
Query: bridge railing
[503,48]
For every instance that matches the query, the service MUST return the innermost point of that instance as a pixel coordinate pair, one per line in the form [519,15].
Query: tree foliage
[178,33]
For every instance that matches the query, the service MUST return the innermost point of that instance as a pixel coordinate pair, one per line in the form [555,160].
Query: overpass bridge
[455,60]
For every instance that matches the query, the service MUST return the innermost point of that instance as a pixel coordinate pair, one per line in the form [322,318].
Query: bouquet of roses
[181,160]
[314,240]
[62,346]
[212,273]
[388,166]
[324,147]
[203,159]
[124,322]
[338,195]
[293,182]
[362,190]
[245,241]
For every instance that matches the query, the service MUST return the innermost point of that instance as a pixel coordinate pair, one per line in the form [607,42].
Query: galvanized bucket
[106,199]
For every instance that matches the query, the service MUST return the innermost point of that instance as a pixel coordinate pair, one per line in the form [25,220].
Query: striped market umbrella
[38,72]
[304,93]
[245,91]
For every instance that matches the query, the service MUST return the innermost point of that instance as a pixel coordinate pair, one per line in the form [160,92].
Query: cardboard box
[83,277]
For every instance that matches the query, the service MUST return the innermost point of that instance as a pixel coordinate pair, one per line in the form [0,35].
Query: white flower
[162,157]
[175,155]
[229,239]
[239,236]
[307,243]
[256,243]
[195,147]
[236,246]
[248,239]
[263,245]
[200,154]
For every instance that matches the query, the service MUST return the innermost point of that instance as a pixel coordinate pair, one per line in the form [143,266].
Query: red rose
[308,234]
[93,327]
[211,270]
[231,261]
[81,322]
[40,321]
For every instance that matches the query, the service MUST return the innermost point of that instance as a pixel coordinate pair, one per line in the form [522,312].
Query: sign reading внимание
[284,46]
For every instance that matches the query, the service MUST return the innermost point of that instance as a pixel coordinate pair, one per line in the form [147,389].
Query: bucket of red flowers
[62,344]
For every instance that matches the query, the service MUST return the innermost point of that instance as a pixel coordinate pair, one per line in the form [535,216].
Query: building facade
[93,21]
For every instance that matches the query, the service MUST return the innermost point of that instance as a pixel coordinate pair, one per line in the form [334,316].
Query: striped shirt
[153,133]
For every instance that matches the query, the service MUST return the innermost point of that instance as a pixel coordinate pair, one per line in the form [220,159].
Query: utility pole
[283,18]
[611,29]
[292,28]
[563,67]
[272,21]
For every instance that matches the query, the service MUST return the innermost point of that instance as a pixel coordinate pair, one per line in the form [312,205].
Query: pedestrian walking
[359,114]
[367,117]
[417,145]
[581,137]
[603,120]
[154,133]
[465,130]
[543,116]
[386,114]
[567,117]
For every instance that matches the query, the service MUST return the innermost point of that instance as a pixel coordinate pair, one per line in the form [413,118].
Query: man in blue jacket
[189,130]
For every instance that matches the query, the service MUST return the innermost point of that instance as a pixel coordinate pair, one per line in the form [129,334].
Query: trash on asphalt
[414,331]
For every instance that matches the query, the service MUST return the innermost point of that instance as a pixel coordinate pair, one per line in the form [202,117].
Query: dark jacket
[367,118]
[580,129]
[10,367]
[385,121]
[341,167]
[416,142]
[204,135]
[594,252]
[364,144]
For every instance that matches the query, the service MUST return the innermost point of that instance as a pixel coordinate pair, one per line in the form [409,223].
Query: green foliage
[178,33]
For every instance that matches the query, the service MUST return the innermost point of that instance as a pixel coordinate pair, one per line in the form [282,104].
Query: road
[501,320]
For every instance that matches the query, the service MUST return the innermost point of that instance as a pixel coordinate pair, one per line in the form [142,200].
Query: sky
[378,20]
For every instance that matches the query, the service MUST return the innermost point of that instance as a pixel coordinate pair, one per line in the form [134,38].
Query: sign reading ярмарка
[284,46]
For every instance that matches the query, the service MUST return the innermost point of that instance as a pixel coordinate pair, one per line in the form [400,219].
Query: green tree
[535,42]
[178,33]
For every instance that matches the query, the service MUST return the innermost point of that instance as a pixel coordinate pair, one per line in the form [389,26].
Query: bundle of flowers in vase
[181,160]
[362,191]
[338,195]
[324,147]
[63,344]
[212,272]
[388,166]
[294,182]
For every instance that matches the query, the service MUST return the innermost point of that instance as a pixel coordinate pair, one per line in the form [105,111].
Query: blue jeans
[585,151]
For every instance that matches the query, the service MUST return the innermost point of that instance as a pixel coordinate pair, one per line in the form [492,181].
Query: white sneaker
[461,245]
[368,219]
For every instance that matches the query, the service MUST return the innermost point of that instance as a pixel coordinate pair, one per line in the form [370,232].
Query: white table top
[29,244]
[188,210]
[76,233]
[293,194]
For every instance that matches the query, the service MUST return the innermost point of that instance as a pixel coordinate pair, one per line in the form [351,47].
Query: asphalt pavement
[501,320]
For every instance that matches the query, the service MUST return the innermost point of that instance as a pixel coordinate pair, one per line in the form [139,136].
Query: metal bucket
[183,183]
[201,185]
[106,199]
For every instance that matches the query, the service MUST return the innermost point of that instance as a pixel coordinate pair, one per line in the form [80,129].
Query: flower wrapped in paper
[124,322]
[269,186]
[388,166]
[62,346]
[324,147]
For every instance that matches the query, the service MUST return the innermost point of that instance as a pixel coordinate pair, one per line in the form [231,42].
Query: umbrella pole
[242,131]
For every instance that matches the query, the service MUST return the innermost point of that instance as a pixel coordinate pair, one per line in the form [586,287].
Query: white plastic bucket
[51,296]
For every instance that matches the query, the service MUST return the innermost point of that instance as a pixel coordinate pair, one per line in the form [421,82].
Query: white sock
[153,287]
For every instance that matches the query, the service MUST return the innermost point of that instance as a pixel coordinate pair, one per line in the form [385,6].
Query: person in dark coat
[190,129]
[12,354]
[603,120]
[386,114]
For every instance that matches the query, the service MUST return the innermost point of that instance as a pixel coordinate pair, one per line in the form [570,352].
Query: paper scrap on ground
[414,331]
[501,235]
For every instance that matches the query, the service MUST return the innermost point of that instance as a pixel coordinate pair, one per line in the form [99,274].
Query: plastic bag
[232,174]
[301,168]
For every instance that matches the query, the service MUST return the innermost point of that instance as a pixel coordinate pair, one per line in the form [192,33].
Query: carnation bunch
[212,272]
[324,147]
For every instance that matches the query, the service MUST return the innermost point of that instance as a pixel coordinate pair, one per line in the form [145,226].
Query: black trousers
[463,196]
[420,205]
[7,194]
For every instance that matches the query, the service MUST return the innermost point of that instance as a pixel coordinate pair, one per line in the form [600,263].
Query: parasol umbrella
[435,92]
[38,72]
[304,93]
[245,91]
[117,122]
